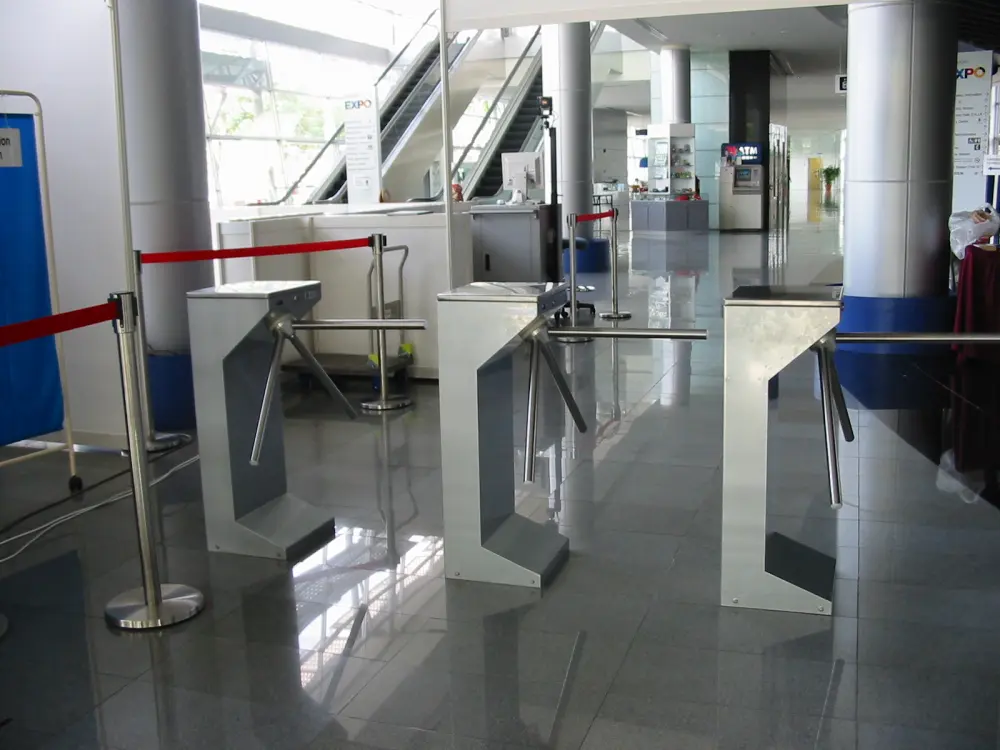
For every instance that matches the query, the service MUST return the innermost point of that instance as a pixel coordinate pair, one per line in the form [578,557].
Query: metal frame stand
[154,604]
[614,313]
[384,402]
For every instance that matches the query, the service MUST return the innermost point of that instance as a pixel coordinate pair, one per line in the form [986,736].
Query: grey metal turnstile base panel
[766,328]
[247,508]
[480,327]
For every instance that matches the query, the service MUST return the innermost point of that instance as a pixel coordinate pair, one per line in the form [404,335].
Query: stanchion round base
[3,626]
[128,611]
[163,442]
[391,403]
[616,315]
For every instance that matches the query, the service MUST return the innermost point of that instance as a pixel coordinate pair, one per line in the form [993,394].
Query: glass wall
[710,115]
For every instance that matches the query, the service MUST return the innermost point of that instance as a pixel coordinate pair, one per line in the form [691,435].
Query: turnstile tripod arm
[321,375]
[530,439]
[562,385]
[270,384]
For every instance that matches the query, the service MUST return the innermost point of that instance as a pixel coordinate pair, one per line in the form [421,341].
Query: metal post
[614,313]
[830,431]
[154,605]
[571,223]
[3,627]
[560,380]
[531,427]
[270,385]
[155,442]
[384,402]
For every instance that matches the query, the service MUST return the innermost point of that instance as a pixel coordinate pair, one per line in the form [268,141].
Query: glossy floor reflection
[363,644]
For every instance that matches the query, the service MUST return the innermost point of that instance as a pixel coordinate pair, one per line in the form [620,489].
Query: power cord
[78,495]
[40,531]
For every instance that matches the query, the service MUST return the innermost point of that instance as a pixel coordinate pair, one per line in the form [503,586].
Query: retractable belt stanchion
[614,313]
[571,227]
[384,402]
[155,604]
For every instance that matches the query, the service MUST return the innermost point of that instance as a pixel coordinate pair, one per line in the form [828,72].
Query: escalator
[520,130]
[514,139]
[403,107]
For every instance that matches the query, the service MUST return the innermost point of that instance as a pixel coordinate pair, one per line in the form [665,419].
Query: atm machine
[742,188]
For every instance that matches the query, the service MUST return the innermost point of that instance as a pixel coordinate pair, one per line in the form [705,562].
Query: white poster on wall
[972,125]
[363,150]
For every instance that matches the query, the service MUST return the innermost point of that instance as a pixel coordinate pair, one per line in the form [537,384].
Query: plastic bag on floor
[969,227]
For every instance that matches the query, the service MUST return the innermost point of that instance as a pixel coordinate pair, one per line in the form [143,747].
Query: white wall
[610,145]
[61,51]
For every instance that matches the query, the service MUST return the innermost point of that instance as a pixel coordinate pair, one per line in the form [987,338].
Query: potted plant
[830,176]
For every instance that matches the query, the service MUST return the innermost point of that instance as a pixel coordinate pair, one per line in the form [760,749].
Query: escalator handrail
[387,160]
[342,164]
[340,129]
[493,105]
[490,148]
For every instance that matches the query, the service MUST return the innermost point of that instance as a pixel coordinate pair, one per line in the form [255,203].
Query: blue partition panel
[31,401]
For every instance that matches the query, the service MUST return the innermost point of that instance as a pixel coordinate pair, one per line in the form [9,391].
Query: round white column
[900,118]
[675,84]
[566,78]
[167,162]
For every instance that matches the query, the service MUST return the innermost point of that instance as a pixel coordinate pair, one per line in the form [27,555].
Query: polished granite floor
[363,644]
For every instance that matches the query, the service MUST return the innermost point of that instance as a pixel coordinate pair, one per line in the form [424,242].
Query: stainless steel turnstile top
[257,289]
[488,291]
[792,296]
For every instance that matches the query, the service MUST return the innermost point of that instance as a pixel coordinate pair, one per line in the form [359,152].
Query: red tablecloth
[978,309]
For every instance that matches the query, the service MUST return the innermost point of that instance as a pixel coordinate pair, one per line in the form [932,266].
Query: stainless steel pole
[837,391]
[154,605]
[3,627]
[830,432]
[684,334]
[571,222]
[615,313]
[350,324]
[270,385]
[530,436]
[910,337]
[384,402]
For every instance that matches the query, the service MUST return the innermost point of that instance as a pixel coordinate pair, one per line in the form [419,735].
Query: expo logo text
[358,104]
[964,73]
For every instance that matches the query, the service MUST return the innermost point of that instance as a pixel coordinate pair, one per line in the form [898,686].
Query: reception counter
[654,215]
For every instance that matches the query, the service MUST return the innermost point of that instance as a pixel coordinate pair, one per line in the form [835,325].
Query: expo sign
[358,104]
[963,74]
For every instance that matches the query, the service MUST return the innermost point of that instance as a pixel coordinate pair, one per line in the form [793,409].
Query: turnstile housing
[481,326]
[247,508]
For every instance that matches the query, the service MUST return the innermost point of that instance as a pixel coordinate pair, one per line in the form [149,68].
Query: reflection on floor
[364,645]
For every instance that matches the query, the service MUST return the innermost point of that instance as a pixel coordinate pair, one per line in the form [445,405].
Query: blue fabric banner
[31,401]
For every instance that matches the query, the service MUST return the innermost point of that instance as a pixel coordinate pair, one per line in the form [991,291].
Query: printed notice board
[31,401]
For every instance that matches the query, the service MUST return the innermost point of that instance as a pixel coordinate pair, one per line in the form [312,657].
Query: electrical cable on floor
[44,529]
[78,495]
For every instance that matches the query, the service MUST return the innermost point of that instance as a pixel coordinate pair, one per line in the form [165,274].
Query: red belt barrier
[187,256]
[15,333]
[581,218]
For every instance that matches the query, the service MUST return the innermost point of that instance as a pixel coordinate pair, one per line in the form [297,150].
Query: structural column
[167,163]
[675,85]
[566,78]
[900,116]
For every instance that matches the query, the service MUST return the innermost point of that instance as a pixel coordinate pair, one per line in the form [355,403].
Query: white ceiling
[811,38]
